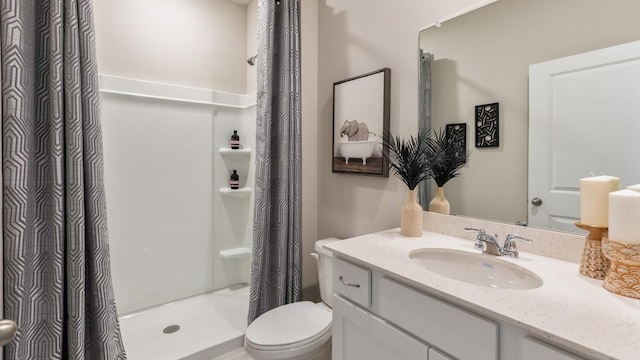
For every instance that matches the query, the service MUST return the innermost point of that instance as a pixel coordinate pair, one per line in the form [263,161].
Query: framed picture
[360,116]
[459,134]
[487,125]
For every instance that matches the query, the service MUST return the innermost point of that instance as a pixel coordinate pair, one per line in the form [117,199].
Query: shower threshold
[197,328]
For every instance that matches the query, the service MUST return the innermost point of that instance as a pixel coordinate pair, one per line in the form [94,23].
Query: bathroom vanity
[388,305]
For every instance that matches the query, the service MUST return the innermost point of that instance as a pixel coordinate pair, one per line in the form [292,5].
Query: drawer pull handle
[348,283]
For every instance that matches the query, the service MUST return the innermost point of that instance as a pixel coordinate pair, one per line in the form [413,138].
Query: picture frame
[459,133]
[487,125]
[361,114]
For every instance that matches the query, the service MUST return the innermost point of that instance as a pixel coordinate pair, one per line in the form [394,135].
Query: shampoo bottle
[234,181]
[235,140]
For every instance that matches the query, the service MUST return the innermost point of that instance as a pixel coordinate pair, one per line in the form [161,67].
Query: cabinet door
[535,350]
[358,335]
[463,334]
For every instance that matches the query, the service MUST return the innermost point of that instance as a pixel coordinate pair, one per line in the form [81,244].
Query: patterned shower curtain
[424,115]
[276,269]
[57,281]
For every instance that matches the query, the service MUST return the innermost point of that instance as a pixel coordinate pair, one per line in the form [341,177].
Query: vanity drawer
[464,335]
[352,282]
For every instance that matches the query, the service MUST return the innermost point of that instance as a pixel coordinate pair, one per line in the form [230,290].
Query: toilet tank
[324,261]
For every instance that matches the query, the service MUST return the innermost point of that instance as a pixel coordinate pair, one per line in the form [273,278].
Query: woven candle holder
[623,277]
[593,264]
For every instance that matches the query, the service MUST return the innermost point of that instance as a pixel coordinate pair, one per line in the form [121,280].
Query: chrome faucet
[489,243]
[486,243]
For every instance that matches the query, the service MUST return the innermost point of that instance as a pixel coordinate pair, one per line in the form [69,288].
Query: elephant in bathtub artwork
[358,144]
[355,131]
[360,117]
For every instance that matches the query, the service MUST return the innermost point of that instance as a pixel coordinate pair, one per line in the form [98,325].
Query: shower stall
[180,239]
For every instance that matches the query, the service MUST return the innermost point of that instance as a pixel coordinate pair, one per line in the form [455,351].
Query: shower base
[209,325]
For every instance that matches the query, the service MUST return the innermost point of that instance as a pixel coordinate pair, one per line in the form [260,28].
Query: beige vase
[439,203]
[411,216]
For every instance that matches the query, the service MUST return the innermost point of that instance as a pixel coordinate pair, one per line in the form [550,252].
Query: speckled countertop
[568,309]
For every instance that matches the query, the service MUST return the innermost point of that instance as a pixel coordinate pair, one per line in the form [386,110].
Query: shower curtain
[424,116]
[57,282]
[276,269]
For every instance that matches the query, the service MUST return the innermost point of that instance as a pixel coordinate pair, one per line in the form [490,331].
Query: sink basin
[478,269]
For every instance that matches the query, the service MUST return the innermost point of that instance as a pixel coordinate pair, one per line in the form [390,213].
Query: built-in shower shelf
[235,253]
[234,152]
[238,193]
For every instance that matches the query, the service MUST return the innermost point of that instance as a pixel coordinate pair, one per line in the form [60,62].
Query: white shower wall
[167,220]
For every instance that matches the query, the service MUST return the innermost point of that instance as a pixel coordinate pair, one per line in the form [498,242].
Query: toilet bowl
[297,331]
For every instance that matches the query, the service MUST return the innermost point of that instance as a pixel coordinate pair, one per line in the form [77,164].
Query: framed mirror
[483,57]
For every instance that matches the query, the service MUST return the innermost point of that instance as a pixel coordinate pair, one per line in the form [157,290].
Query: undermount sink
[478,269]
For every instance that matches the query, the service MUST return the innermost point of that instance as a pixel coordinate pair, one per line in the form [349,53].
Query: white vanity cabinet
[358,332]
[379,318]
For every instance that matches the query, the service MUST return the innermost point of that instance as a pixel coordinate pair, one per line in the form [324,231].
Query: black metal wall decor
[459,133]
[487,125]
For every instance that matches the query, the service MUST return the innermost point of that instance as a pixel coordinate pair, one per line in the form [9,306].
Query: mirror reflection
[484,57]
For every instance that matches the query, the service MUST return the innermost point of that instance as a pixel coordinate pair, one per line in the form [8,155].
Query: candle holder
[593,264]
[623,277]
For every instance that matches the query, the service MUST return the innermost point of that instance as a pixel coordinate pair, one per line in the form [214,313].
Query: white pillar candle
[634,187]
[624,216]
[594,199]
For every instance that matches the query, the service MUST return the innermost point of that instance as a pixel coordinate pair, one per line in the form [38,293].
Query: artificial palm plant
[410,162]
[409,158]
[447,157]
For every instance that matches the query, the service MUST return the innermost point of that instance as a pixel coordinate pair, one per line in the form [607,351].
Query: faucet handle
[479,245]
[510,247]
[510,239]
[479,231]
[482,235]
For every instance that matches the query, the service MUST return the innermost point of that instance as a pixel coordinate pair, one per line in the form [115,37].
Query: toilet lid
[296,323]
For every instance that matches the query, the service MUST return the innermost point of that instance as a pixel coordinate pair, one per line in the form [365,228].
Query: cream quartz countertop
[568,309]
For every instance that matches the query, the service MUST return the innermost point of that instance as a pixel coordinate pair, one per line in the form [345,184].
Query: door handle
[8,330]
[536,201]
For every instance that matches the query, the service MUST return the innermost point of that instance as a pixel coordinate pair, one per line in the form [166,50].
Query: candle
[624,216]
[594,199]
[634,187]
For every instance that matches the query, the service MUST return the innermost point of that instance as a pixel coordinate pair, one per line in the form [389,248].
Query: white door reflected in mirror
[597,87]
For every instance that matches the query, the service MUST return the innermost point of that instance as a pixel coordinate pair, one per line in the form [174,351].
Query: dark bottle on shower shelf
[234,181]
[235,140]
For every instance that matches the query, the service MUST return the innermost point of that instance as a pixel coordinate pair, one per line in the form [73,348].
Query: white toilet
[298,331]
